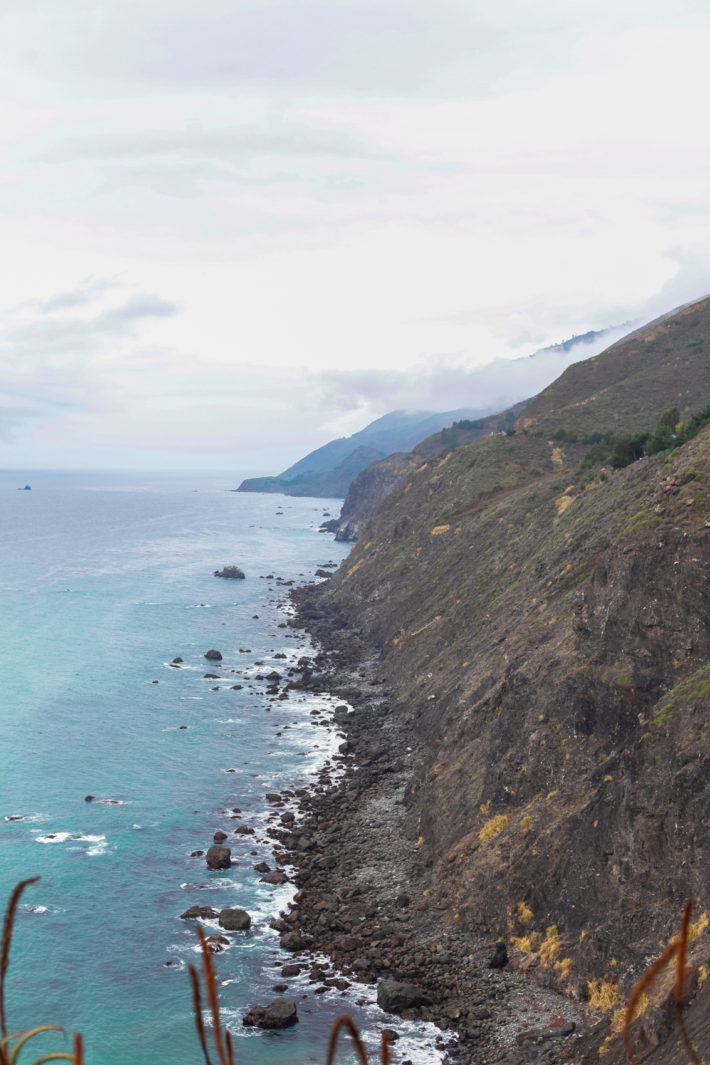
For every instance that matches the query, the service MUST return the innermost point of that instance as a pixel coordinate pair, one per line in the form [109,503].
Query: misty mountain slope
[325,484]
[623,390]
[329,470]
[460,433]
[399,430]
[495,386]
[374,483]
[627,387]
[545,631]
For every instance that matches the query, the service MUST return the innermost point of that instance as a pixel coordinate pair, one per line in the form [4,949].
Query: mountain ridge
[330,469]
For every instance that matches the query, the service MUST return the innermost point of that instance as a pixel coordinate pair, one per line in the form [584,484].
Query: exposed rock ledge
[367,491]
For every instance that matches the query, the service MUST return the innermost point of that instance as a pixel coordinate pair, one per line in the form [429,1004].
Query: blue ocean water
[104,579]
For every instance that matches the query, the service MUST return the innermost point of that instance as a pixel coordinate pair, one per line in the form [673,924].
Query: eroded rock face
[234,920]
[231,573]
[281,1013]
[218,857]
[366,492]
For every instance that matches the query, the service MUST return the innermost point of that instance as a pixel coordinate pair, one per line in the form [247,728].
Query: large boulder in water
[234,920]
[394,996]
[281,1013]
[233,573]
[218,857]
[214,656]
[276,877]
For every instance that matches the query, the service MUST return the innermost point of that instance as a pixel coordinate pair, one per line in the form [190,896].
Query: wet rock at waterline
[205,912]
[393,996]
[276,877]
[216,943]
[292,941]
[281,1013]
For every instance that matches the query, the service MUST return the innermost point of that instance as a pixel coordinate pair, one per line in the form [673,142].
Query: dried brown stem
[680,983]
[6,937]
[212,997]
[78,1049]
[345,1022]
[197,1006]
[638,989]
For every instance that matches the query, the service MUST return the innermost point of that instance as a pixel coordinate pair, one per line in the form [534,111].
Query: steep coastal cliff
[374,483]
[542,622]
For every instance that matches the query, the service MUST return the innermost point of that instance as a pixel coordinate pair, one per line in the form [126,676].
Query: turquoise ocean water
[104,579]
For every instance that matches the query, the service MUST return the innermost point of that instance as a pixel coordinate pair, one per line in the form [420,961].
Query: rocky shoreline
[360,898]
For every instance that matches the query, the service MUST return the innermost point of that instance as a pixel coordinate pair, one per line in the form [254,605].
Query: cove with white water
[104,580]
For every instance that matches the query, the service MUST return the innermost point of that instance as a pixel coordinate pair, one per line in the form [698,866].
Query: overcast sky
[232,230]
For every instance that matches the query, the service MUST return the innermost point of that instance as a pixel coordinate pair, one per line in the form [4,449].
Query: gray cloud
[122,320]
[64,301]
[90,290]
[236,143]
[449,49]
[55,334]
[498,384]
[48,361]
[14,418]
[398,46]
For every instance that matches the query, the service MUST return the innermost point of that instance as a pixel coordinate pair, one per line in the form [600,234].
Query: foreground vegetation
[12,1043]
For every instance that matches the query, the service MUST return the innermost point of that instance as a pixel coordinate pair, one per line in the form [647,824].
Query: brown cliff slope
[546,633]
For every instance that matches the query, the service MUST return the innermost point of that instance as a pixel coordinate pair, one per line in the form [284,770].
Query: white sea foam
[211,885]
[98,843]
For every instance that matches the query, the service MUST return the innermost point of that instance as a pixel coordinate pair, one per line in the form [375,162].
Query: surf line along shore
[361,897]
